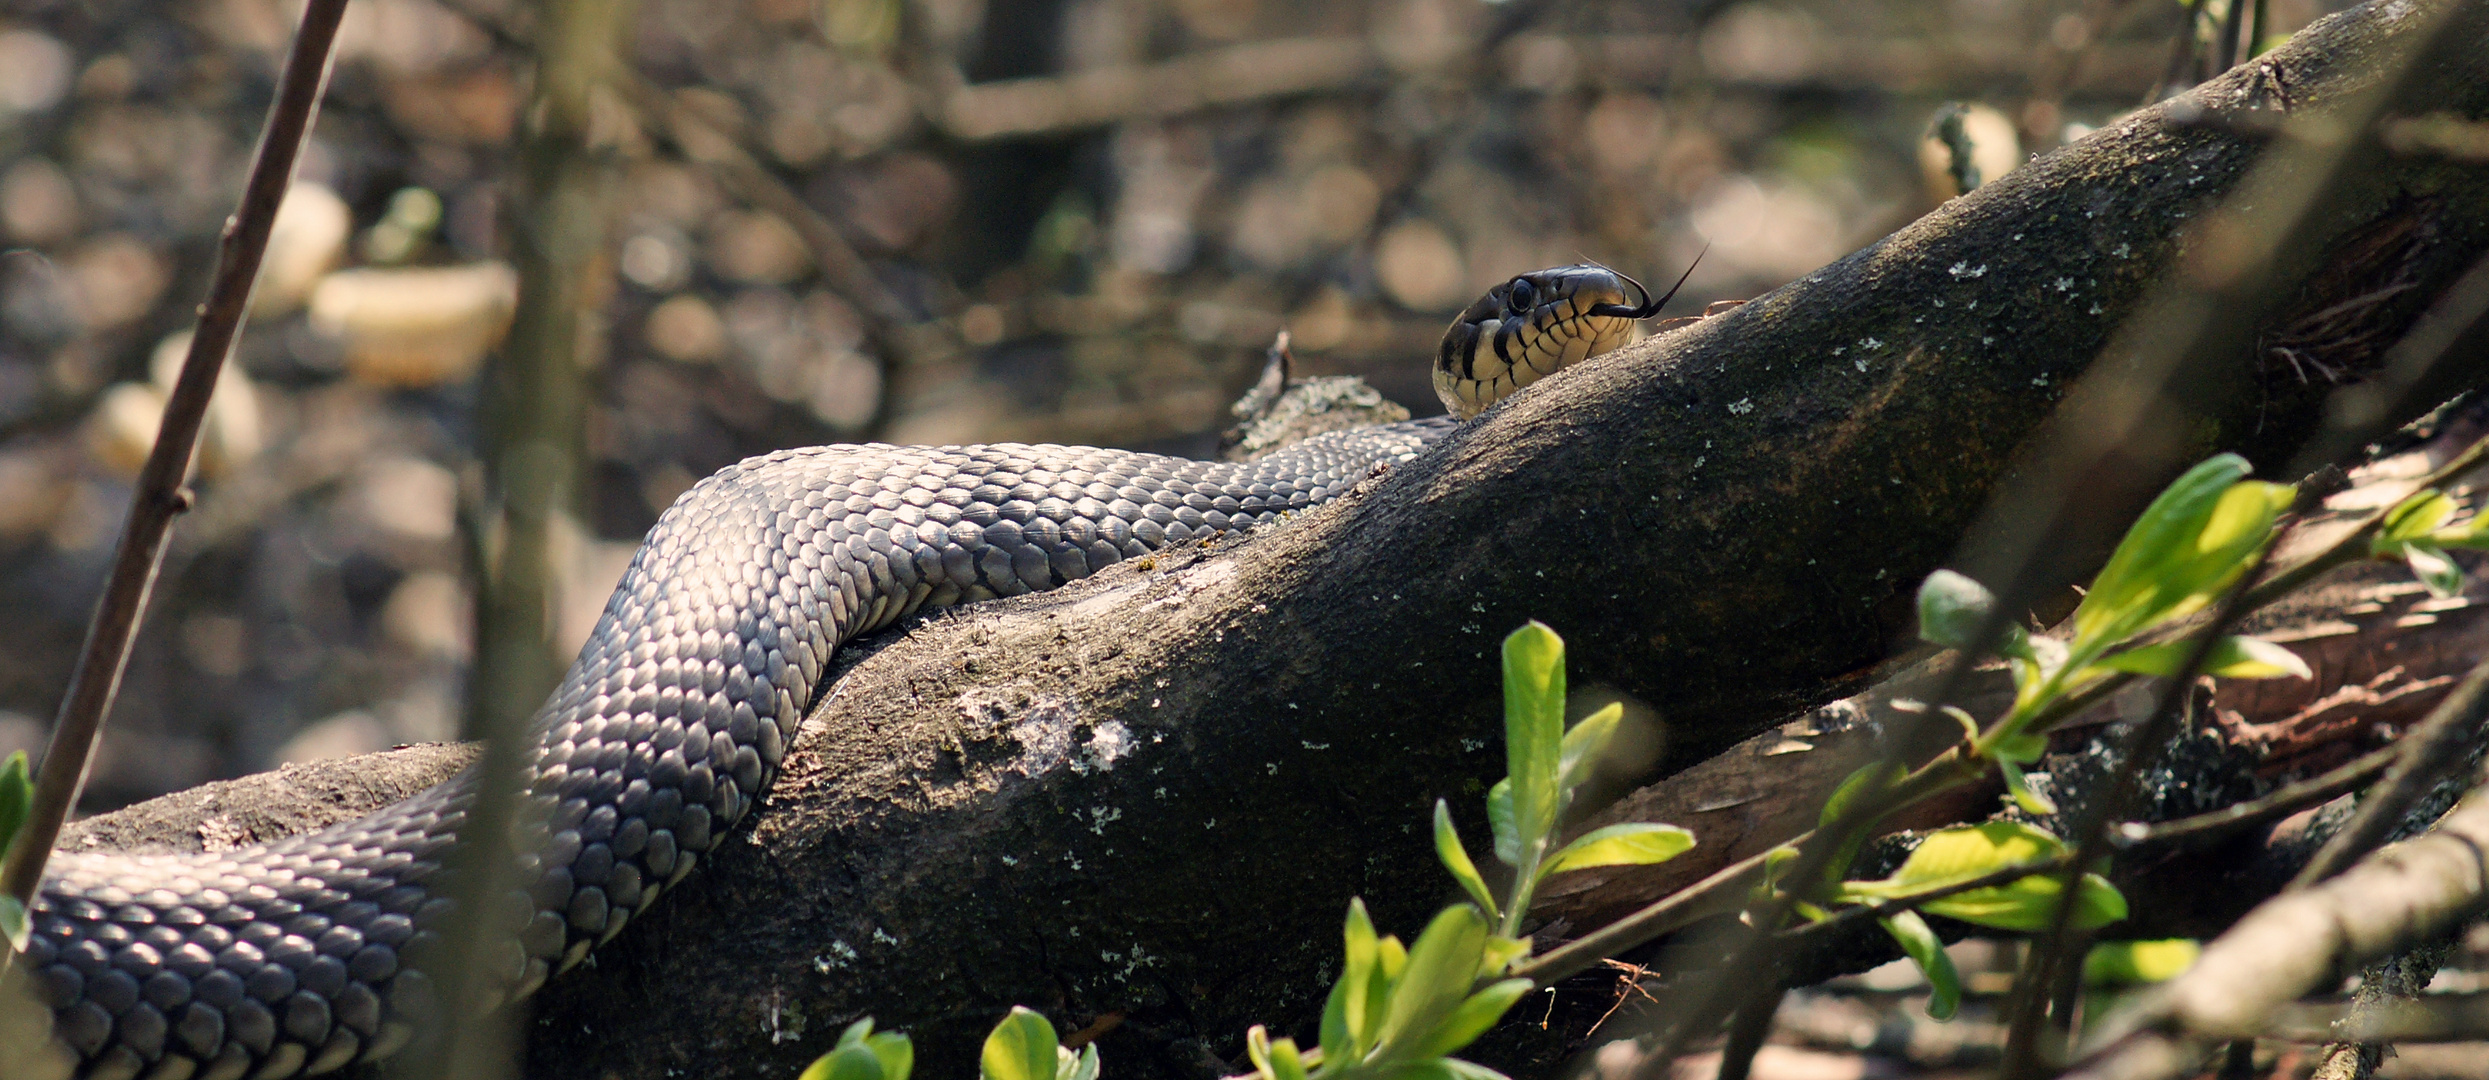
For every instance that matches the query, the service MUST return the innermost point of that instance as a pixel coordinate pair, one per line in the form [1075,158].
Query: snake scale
[300,956]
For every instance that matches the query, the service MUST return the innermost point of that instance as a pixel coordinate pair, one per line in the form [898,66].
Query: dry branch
[160,494]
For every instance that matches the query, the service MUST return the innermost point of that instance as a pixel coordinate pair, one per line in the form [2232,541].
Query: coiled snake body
[291,958]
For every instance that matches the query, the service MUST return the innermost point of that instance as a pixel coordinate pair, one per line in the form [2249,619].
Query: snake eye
[1521,293]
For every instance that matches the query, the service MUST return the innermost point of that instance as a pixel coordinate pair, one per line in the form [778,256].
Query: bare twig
[160,494]
[2279,803]
[2426,757]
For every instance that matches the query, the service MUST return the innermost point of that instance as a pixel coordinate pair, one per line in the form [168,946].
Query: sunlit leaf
[2417,516]
[1456,859]
[1502,952]
[2131,963]
[1533,734]
[2231,657]
[1928,952]
[13,922]
[1629,844]
[1585,742]
[1257,1050]
[1021,1047]
[2018,787]
[2189,545]
[1362,987]
[2030,904]
[1285,1062]
[1959,854]
[1441,966]
[2434,568]
[1500,823]
[1472,1018]
[849,1063]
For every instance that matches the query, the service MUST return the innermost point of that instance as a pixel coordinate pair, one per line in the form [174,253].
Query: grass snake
[301,956]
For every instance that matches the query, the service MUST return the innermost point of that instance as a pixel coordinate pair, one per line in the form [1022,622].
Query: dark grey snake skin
[292,958]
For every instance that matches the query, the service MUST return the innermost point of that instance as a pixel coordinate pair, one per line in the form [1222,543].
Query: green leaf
[848,1063]
[2021,748]
[1533,733]
[1363,986]
[1473,1017]
[1928,952]
[1959,854]
[1630,844]
[1868,779]
[1456,859]
[1441,966]
[2133,963]
[2018,787]
[13,922]
[1021,1047]
[1335,1033]
[898,1054]
[17,794]
[1084,1065]
[2417,516]
[2231,658]
[1952,608]
[1502,952]
[2434,568]
[1285,1062]
[2189,545]
[1499,822]
[2030,904]
[1585,742]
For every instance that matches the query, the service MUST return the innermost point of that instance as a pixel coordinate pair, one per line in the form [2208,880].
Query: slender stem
[160,495]
[2232,21]
[534,401]
[1752,1024]
[2280,802]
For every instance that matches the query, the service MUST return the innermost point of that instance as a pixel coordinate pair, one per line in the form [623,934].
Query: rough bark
[1147,798]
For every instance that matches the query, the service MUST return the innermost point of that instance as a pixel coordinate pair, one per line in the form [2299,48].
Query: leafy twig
[160,495]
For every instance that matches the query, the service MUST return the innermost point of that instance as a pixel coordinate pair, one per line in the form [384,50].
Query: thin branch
[160,494]
[2281,802]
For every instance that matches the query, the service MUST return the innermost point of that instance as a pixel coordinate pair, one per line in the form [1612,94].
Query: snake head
[1535,325]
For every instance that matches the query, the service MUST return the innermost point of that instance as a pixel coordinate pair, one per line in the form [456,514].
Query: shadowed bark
[1148,796]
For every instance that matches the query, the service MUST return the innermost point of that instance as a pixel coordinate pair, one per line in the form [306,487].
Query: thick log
[1144,800]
